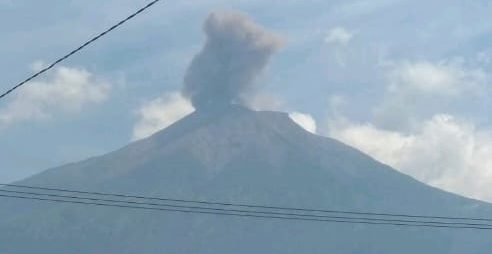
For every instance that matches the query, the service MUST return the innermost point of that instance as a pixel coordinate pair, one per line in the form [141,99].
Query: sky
[407,82]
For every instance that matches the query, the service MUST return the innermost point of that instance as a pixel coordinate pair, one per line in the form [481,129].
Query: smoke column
[236,51]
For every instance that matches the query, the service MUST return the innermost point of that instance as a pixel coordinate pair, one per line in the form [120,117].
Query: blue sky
[406,81]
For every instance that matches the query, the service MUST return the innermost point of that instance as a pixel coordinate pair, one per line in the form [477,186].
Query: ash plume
[236,51]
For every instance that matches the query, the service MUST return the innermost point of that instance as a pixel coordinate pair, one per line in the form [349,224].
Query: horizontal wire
[247,211]
[249,205]
[248,215]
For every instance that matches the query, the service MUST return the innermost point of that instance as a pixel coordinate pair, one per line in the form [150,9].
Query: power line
[247,211]
[247,215]
[201,208]
[249,205]
[59,60]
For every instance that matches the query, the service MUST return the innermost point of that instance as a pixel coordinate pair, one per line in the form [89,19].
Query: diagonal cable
[63,58]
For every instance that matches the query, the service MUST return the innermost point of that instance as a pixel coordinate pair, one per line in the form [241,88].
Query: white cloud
[339,35]
[416,90]
[66,90]
[410,133]
[160,113]
[442,78]
[306,121]
[444,152]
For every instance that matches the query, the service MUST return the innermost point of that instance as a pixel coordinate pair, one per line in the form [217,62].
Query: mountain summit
[241,156]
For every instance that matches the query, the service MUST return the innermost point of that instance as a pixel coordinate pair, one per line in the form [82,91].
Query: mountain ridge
[240,156]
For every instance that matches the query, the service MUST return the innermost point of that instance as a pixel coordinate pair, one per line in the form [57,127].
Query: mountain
[242,156]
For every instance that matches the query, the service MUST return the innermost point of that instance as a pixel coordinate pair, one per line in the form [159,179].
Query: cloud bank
[445,152]
[417,90]
[160,113]
[411,133]
[67,90]
[235,53]
[306,121]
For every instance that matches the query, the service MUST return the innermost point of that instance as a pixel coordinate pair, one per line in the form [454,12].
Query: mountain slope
[243,156]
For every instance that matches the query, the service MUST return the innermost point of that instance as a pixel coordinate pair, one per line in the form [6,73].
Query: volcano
[241,156]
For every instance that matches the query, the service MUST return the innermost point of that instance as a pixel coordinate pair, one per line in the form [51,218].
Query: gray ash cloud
[235,53]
